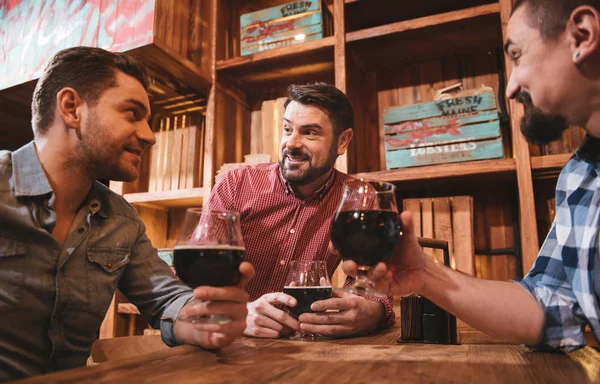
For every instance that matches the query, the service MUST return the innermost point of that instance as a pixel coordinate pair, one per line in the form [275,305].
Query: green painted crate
[283,25]
[464,128]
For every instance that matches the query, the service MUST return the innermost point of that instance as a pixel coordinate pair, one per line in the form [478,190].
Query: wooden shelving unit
[386,53]
[549,163]
[382,53]
[498,169]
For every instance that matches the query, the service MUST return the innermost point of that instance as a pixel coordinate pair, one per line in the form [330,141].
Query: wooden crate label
[263,30]
[440,122]
[278,11]
[454,133]
[286,35]
[450,152]
[459,105]
[281,43]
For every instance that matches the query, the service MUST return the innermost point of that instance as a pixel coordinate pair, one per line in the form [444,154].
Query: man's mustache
[296,153]
[525,99]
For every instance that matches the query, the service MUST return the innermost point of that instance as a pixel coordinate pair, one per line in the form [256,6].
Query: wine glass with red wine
[208,252]
[307,282]
[366,229]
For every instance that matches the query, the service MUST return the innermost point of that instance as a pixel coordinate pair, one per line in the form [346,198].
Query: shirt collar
[589,150]
[30,180]
[96,200]
[318,194]
[29,176]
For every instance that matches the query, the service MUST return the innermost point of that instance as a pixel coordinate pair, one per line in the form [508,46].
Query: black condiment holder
[435,325]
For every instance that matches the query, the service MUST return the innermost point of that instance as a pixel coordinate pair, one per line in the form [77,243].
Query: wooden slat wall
[184,27]
[492,222]
[450,219]
[231,132]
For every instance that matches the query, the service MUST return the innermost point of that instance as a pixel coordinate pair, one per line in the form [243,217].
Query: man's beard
[310,174]
[96,155]
[539,127]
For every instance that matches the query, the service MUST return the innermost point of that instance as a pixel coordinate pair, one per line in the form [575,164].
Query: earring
[576,56]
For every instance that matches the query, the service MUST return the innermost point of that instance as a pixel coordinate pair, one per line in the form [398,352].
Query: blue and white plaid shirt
[562,279]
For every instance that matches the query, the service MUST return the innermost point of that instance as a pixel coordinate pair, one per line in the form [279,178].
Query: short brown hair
[550,16]
[327,97]
[90,71]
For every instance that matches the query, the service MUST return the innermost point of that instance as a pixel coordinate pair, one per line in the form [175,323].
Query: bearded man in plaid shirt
[555,49]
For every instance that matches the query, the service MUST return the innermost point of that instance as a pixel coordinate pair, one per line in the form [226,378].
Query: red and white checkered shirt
[279,226]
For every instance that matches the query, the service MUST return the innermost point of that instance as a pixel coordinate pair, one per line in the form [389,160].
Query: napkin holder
[422,321]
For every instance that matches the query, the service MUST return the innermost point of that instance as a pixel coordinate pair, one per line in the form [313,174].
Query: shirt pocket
[12,273]
[105,268]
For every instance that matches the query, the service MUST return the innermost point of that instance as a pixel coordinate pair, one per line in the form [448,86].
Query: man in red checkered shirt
[286,212]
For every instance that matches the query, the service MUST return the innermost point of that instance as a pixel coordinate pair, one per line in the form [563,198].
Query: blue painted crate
[286,24]
[464,128]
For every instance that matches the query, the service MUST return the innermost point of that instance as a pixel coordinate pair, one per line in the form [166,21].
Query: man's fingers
[333,303]
[206,293]
[266,322]
[279,316]
[247,271]
[333,249]
[262,332]
[226,308]
[279,298]
[378,271]
[325,318]
[350,267]
[233,327]
[406,222]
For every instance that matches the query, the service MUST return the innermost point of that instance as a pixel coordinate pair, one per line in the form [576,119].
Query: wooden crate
[283,25]
[463,128]
[450,219]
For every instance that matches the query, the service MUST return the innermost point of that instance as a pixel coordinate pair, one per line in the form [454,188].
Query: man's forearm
[501,309]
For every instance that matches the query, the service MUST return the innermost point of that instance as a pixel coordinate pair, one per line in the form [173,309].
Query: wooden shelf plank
[423,22]
[444,171]
[167,63]
[167,199]
[541,163]
[277,53]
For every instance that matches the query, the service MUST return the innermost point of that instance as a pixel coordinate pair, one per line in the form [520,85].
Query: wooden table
[375,358]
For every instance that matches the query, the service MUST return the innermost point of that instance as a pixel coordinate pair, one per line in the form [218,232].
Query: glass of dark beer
[209,251]
[366,228]
[307,282]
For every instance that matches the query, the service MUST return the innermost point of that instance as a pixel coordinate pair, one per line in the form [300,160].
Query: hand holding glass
[366,229]
[208,252]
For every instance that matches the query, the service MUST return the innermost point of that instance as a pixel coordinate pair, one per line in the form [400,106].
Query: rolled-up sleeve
[548,284]
[149,283]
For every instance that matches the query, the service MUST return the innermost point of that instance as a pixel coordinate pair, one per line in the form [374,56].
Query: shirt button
[81,230]
[109,265]
[95,205]
[292,231]
[282,262]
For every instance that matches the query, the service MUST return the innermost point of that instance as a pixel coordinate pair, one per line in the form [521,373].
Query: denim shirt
[53,297]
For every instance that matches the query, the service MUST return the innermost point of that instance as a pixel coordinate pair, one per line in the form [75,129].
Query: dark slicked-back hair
[550,16]
[90,71]
[327,97]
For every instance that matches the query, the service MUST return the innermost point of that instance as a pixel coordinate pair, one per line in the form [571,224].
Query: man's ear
[583,29]
[344,140]
[69,106]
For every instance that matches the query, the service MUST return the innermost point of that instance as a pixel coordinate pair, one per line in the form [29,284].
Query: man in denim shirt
[67,242]
[554,46]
